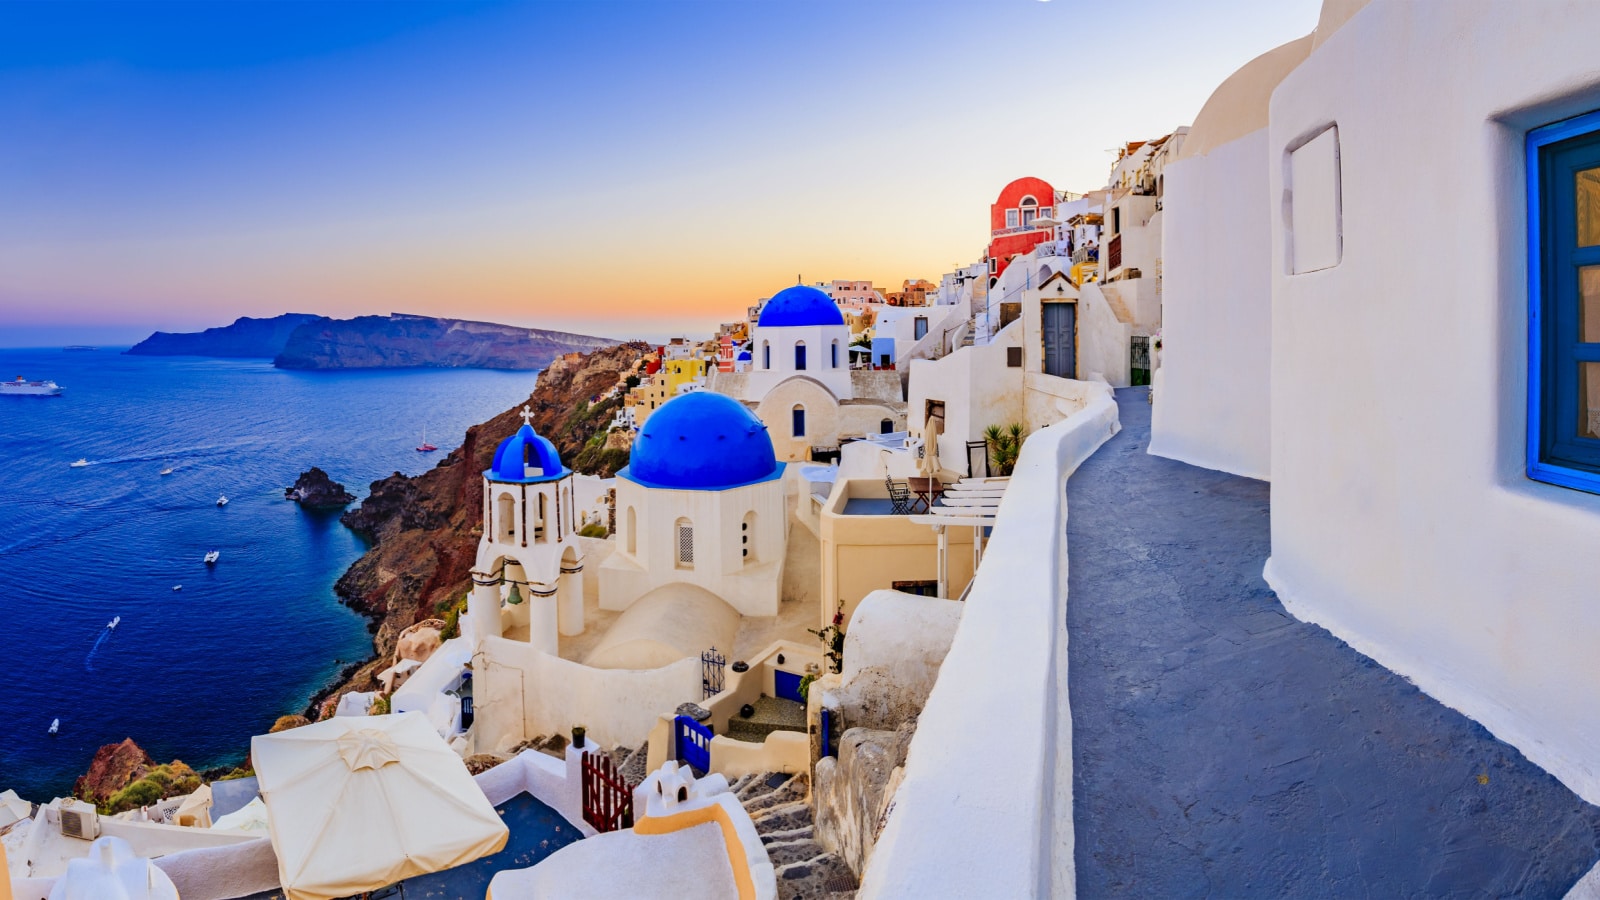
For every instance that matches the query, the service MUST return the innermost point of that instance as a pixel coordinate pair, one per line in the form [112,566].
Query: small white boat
[55,725]
[222,501]
[166,471]
[112,625]
[80,464]
[211,558]
[177,587]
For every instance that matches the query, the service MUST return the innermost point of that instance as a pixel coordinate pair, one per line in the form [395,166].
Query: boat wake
[88,661]
[165,455]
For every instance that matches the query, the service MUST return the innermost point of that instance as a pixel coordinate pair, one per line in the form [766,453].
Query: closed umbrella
[357,803]
[928,466]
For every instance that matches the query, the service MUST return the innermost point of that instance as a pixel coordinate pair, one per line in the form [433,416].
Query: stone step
[637,766]
[818,877]
[760,785]
[792,834]
[784,817]
[790,791]
[784,852]
[771,714]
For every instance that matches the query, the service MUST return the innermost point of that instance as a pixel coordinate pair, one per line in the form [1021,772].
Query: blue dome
[523,450]
[800,305]
[702,441]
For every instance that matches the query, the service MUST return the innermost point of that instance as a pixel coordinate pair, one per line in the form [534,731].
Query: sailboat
[425,447]
[55,725]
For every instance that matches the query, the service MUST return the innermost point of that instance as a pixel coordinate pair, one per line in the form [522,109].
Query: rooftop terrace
[1223,748]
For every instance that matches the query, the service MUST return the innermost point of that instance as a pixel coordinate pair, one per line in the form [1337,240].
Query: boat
[425,447]
[80,464]
[211,558]
[22,387]
[79,348]
[222,501]
[55,725]
[167,471]
[112,625]
[177,587]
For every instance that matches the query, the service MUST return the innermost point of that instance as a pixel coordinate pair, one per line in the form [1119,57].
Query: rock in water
[315,490]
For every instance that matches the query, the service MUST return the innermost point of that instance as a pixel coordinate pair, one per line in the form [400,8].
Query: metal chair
[899,496]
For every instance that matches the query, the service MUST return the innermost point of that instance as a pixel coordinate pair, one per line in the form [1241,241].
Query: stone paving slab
[1224,749]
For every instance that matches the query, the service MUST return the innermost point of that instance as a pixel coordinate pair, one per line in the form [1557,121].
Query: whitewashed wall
[1213,408]
[1401,518]
[1014,837]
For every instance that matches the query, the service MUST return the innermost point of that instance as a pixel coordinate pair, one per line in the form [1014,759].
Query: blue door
[693,742]
[1061,339]
[787,685]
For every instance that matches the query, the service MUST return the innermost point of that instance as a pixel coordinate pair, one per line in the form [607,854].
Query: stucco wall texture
[1222,748]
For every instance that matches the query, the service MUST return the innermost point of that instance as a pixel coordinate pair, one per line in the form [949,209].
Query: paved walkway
[1224,749]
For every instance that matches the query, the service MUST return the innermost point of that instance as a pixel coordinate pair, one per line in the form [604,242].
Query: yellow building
[866,548]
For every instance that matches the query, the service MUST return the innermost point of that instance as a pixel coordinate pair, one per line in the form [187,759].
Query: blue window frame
[1563,162]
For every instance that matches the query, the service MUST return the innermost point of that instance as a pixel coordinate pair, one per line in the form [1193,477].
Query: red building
[1012,231]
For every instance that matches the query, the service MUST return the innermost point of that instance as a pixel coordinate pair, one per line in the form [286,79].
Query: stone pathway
[780,807]
[1224,749]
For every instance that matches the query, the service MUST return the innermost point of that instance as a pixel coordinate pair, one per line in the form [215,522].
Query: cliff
[402,341]
[123,776]
[424,530]
[246,337]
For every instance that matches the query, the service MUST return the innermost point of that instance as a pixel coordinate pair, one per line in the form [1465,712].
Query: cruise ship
[24,388]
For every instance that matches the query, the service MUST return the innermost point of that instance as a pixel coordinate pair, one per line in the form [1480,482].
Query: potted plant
[578,733]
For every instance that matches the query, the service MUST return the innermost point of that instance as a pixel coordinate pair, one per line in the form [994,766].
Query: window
[1564,321]
[747,531]
[835,357]
[1116,220]
[922,588]
[506,518]
[799,356]
[684,530]
[633,531]
[766,355]
[886,426]
[1011,218]
[1314,240]
[799,422]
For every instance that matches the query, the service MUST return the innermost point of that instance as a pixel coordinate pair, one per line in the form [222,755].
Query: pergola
[972,503]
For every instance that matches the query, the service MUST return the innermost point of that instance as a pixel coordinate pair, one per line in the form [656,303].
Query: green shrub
[594,530]
[1005,445]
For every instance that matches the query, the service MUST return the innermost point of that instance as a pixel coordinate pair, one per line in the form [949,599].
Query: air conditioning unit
[79,820]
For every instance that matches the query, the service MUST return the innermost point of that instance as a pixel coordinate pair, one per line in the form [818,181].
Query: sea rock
[315,490]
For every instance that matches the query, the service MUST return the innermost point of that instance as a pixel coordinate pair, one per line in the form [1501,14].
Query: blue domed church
[799,380]
[701,502]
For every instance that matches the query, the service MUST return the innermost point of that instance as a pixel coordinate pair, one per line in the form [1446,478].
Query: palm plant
[1005,445]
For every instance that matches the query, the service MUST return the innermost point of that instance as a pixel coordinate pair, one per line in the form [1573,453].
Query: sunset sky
[616,168]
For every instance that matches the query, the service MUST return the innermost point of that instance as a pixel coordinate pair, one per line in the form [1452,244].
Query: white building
[701,502]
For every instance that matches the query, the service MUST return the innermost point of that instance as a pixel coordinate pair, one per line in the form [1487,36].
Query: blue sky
[613,167]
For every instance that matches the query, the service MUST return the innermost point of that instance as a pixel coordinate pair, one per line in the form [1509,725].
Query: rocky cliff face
[400,341]
[424,530]
[123,776]
[246,337]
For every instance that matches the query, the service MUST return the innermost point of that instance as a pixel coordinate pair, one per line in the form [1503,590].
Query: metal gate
[1139,360]
[693,744]
[607,799]
[1061,339]
[712,666]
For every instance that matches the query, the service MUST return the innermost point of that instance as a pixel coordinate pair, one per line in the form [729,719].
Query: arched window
[1030,210]
[633,531]
[683,532]
[835,353]
[886,426]
[539,530]
[747,537]
[766,355]
[506,518]
[799,420]
[799,356]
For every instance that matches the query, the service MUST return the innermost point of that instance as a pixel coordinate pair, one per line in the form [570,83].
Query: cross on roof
[527,415]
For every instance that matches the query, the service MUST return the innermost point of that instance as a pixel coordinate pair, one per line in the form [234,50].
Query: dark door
[1061,339]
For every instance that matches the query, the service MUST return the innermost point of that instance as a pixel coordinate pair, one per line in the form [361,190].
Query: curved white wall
[1401,517]
[1213,407]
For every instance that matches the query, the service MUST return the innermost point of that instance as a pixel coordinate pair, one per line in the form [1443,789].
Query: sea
[204,656]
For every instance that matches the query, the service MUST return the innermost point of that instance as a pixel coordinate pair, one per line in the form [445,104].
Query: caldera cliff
[403,341]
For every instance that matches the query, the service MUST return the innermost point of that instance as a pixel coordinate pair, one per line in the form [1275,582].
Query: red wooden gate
[607,799]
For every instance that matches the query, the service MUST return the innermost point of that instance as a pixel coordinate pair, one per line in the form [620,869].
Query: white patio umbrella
[928,466]
[356,803]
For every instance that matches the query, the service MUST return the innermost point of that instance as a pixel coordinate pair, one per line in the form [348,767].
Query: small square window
[1014,357]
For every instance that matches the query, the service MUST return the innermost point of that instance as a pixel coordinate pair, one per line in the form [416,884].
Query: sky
[624,169]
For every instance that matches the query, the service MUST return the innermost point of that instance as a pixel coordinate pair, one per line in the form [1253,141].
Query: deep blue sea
[188,674]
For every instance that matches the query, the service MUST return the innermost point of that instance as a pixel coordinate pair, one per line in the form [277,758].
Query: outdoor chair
[899,496]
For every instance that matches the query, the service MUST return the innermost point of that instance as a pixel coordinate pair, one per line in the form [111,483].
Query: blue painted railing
[693,742]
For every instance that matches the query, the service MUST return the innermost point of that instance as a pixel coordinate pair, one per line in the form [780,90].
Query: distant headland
[304,341]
